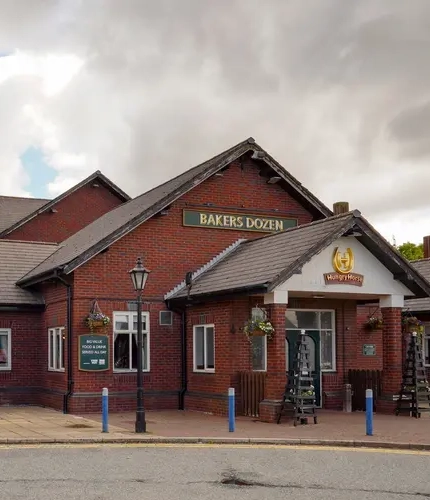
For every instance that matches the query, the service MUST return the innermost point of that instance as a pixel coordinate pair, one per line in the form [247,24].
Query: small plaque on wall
[369,350]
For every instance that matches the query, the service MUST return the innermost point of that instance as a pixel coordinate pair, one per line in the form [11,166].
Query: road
[204,472]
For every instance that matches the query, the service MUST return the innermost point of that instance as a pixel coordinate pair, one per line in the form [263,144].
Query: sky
[337,91]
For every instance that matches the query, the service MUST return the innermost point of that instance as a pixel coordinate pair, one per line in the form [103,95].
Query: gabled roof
[23,215]
[115,224]
[420,305]
[13,209]
[16,258]
[277,257]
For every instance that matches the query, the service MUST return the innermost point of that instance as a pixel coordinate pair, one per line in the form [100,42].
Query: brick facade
[170,250]
[73,212]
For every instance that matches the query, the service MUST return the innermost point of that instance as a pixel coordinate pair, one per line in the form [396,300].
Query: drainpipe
[184,369]
[184,374]
[70,381]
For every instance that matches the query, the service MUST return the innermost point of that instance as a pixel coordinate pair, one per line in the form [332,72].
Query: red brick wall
[161,384]
[55,315]
[170,250]
[26,351]
[73,213]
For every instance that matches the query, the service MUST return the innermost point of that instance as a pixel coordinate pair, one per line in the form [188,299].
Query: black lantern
[139,274]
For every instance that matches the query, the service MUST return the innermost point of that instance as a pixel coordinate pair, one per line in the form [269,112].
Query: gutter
[70,381]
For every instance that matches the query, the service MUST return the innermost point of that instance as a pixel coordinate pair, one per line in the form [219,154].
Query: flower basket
[412,324]
[259,328]
[373,323]
[96,319]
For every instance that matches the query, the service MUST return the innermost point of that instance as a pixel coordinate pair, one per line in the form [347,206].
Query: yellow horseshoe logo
[343,263]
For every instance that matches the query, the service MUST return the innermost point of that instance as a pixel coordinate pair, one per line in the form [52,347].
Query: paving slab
[19,425]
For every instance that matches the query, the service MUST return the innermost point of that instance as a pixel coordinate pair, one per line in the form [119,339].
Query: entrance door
[314,357]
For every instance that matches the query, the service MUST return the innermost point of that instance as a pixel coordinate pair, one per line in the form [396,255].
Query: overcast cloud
[337,91]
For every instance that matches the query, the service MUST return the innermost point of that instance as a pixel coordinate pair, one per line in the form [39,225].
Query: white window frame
[8,332]
[203,370]
[131,331]
[257,312]
[424,337]
[333,347]
[55,333]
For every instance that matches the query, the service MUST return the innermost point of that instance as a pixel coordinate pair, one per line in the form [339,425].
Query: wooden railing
[252,386]
[361,380]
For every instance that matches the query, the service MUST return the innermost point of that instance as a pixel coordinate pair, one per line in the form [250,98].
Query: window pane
[210,348]
[311,358]
[134,351]
[122,351]
[135,322]
[258,353]
[121,322]
[307,320]
[326,321]
[4,350]
[258,313]
[327,338]
[427,347]
[199,348]
[51,349]
[57,350]
[145,352]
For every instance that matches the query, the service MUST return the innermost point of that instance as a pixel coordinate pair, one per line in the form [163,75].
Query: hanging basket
[257,333]
[258,328]
[96,319]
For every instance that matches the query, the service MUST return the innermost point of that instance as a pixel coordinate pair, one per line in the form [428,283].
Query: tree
[411,251]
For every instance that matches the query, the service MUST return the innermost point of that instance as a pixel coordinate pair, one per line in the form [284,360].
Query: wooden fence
[361,380]
[252,386]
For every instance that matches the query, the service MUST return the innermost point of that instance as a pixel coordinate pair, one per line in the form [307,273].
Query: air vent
[166,318]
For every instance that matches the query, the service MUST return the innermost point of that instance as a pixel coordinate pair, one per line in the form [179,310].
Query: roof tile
[16,258]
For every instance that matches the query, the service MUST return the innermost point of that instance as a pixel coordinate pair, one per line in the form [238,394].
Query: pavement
[32,425]
[136,471]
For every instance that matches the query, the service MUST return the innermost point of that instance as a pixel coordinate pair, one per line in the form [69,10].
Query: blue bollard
[105,410]
[369,412]
[231,409]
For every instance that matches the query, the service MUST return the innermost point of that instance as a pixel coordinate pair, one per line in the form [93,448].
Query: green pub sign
[243,222]
[369,350]
[93,353]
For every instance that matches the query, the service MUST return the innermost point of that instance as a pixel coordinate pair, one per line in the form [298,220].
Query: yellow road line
[207,445]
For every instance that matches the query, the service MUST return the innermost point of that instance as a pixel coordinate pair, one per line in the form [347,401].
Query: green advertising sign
[238,221]
[369,349]
[93,353]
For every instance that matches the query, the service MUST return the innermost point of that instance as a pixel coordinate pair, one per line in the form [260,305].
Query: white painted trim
[57,332]
[8,332]
[276,297]
[203,370]
[131,331]
[204,268]
[392,301]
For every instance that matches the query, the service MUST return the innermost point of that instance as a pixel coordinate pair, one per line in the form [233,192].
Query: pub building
[232,240]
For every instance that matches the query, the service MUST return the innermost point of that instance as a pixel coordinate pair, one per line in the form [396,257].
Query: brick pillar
[276,376]
[392,355]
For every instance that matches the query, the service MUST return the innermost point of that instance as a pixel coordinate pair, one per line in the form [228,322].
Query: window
[5,349]
[259,344]
[324,323]
[55,349]
[125,341]
[166,318]
[426,345]
[204,348]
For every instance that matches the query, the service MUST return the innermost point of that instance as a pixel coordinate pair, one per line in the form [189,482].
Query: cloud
[337,91]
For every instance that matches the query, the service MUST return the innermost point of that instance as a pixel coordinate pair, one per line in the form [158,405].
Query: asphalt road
[159,473]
